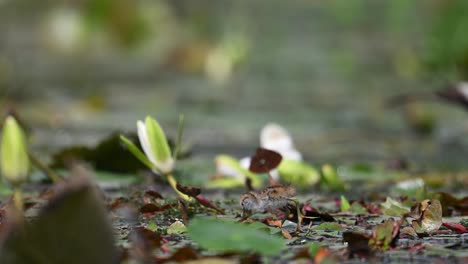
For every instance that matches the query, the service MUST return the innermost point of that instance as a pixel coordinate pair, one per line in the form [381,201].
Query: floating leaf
[358,244]
[176,228]
[329,226]
[222,236]
[384,235]
[430,219]
[152,226]
[394,208]
[357,208]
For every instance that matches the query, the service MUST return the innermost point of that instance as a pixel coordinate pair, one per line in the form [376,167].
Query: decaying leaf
[427,216]
[188,190]
[207,203]
[177,228]
[358,244]
[264,160]
[455,227]
[394,208]
[452,205]
[384,235]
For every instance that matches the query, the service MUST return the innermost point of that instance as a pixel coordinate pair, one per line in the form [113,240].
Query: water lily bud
[154,144]
[14,159]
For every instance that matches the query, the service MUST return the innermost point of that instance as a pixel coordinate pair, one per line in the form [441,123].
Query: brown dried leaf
[264,160]
[188,190]
[207,203]
[358,244]
[152,208]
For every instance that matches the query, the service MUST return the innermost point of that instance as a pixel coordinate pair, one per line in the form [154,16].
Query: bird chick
[270,199]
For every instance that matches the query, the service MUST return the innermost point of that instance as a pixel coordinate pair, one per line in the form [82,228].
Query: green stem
[172,181]
[179,137]
[18,199]
[41,166]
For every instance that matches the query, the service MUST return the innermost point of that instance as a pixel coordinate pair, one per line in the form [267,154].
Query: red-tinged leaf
[205,202]
[151,238]
[273,222]
[153,194]
[322,255]
[144,242]
[188,190]
[183,210]
[302,253]
[181,255]
[417,247]
[116,203]
[286,234]
[152,208]
[455,227]
[264,160]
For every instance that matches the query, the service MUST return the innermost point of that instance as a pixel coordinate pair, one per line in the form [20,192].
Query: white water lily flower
[275,137]
[155,146]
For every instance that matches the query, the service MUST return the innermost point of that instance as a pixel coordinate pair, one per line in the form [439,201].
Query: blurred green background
[325,70]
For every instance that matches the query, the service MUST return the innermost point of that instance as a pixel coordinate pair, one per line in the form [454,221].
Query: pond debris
[427,216]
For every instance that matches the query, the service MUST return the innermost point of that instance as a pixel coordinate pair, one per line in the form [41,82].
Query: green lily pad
[224,236]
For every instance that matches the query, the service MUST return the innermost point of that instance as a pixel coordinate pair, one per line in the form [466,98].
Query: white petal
[275,137]
[144,141]
[165,166]
[291,154]
[463,89]
[224,169]
[245,162]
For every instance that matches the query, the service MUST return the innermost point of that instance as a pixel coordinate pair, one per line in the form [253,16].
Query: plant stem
[172,181]
[18,199]
[48,171]
[178,143]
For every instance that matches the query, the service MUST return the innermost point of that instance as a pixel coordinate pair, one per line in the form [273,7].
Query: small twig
[41,166]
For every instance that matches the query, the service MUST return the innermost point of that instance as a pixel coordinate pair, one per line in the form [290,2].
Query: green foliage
[234,164]
[298,173]
[176,228]
[329,226]
[330,178]
[225,236]
[394,208]
[344,205]
[383,236]
[14,159]
[448,44]
[136,152]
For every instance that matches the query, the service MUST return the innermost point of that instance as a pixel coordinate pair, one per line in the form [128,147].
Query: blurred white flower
[276,138]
